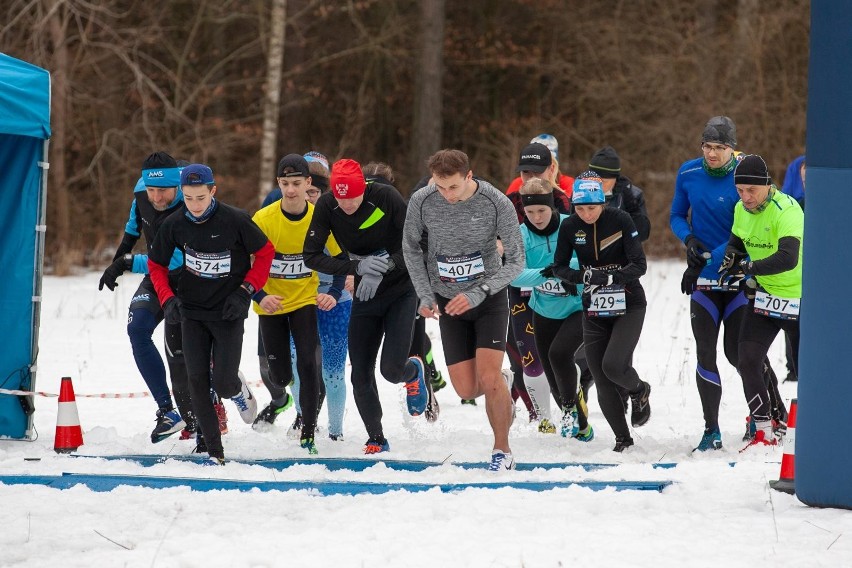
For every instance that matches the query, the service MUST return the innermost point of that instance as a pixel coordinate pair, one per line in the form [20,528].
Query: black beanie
[752,170]
[720,129]
[606,163]
[159,160]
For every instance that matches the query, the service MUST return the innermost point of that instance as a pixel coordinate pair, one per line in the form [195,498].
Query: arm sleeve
[160,279]
[562,257]
[128,241]
[318,233]
[784,259]
[399,209]
[412,234]
[735,244]
[158,259]
[513,246]
[258,274]
[679,210]
[636,265]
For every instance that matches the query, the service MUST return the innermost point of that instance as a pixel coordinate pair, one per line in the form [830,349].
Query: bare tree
[429,86]
[272,96]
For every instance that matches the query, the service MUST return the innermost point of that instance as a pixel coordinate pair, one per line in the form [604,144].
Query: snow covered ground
[715,514]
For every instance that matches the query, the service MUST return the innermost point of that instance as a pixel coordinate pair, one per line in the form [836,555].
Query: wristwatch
[249,288]
[485,288]
[128,260]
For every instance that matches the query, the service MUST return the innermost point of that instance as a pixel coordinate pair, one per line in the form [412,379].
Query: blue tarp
[24,127]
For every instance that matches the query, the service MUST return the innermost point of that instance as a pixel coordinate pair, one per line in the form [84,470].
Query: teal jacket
[547,298]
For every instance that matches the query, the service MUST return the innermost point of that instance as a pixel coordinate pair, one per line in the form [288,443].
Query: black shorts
[483,327]
[145,298]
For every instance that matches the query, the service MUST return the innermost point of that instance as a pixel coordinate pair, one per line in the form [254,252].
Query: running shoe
[308,444]
[191,427]
[622,444]
[641,407]
[568,425]
[168,422]
[376,445]
[546,427]
[586,435]
[271,412]
[245,401]
[710,440]
[417,396]
[222,416]
[501,461]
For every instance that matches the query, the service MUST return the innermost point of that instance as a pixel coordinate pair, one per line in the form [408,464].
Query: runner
[367,221]
[611,260]
[557,308]
[287,304]
[213,294]
[764,254]
[702,213]
[155,197]
[463,279]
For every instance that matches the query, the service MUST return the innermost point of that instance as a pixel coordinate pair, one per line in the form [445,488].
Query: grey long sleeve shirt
[461,253]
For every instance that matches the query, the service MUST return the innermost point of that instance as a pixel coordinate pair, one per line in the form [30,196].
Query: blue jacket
[793,185]
[709,202]
[539,254]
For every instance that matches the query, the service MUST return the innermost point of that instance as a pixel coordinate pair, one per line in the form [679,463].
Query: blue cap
[550,141]
[196,174]
[588,192]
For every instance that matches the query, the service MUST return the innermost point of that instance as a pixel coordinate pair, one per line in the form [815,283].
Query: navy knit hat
[720,129]
[752,170]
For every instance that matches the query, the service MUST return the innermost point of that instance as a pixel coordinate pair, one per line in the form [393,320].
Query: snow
[718,512]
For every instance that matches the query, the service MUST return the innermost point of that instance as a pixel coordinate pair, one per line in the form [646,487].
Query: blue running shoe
[586,435]
[569,427]
[308,444]
[501,461]
[168,422]
[417,396]
[376,445]
[711,440]
[213,461]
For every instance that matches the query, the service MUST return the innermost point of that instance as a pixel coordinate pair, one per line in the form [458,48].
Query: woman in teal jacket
[557,308]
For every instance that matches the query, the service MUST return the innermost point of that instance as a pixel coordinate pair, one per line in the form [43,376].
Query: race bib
[289,267]
[208,264]
[777,307]
[525,292]
[707,284]
[552,287]
[608,301]
[461,268]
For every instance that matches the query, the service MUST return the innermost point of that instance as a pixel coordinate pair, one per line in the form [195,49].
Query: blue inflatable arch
[24,133]
[823,457]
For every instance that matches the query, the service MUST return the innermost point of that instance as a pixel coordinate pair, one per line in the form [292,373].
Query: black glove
[748,286]
[697,253]
[731,265]
[570,289]
[374,265]
[236,305]
[594,277]
[114,270]
[173,310]
[368,286]
[547,272]
[690,279]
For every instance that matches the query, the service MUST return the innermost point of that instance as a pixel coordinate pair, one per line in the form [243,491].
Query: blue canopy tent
[24,134]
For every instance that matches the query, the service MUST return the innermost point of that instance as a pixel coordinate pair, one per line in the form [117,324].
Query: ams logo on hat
[156,174]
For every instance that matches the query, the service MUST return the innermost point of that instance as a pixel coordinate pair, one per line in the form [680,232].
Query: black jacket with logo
[611,244]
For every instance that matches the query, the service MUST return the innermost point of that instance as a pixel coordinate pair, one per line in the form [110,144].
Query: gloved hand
[690,279]
[547,272]
[113,271]
[595,277]
[748,286]
[697,253]
[173,310]
[368,286]
[570,289]
[236,305]
[731,265]
[373,265]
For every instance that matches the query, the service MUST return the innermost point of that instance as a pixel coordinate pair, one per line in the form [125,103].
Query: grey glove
[373,265]
[368,286]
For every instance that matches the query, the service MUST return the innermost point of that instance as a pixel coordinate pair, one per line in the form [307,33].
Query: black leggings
[609,350]
[221,342]
[388,317]
[756,336]
[276,331]
[557,340]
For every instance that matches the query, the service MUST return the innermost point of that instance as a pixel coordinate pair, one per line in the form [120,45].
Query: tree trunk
[272,98]
[428,98]
[58,147]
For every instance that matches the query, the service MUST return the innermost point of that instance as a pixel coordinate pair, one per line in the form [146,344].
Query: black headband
[545,199]
[320,183]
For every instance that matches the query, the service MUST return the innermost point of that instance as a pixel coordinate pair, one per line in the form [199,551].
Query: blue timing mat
[101,483]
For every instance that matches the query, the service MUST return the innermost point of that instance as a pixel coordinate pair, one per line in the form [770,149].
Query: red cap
[347,179]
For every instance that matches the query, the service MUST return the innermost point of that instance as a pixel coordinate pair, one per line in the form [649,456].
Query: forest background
[237,84]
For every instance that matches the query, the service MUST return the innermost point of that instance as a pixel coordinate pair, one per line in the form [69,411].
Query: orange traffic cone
[786,483]
[69,435]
